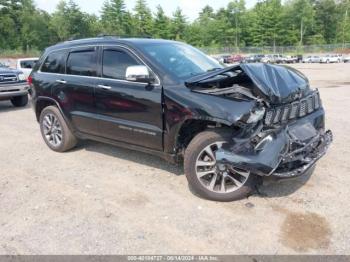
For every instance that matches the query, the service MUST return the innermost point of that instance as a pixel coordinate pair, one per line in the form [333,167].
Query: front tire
[55,131]
[211,180]
[19,101]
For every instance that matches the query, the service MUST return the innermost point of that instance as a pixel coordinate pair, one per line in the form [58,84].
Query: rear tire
[55,131]
[231,191]
[19,101]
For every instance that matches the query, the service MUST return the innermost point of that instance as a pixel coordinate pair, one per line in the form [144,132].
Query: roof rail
[125,36]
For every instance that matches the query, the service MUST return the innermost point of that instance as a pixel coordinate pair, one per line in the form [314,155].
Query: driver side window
[115,63]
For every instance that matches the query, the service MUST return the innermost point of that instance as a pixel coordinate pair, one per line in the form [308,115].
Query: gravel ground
[98,199]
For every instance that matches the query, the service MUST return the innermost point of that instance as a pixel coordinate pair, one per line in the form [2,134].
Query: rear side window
[82,63]
[115,64]
[54,63]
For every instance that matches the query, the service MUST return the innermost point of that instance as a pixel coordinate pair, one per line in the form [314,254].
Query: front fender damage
[286,152]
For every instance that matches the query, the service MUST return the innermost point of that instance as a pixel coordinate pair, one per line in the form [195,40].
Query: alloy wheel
[218,177]
[52,130]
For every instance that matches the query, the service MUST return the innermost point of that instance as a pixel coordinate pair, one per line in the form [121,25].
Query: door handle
[104,87]
[61,81]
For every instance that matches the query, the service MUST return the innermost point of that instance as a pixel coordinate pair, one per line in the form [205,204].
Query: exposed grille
[8,78]
[295,110]
[302,108]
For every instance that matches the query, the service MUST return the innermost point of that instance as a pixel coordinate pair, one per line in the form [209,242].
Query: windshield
[181,60]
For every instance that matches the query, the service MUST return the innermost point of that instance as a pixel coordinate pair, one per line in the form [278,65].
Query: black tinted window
[54,63]
[29,64]
[82,63]
[115,64]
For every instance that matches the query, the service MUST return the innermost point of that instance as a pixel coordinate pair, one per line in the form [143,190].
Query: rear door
[129,112]
[77,88]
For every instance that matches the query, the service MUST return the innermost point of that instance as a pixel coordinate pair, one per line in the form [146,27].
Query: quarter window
[54,63]
[82,63]
[115,64]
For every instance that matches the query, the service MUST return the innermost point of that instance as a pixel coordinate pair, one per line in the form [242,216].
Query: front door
[128,111]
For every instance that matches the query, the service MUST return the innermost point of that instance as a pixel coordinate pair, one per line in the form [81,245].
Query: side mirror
[139,73]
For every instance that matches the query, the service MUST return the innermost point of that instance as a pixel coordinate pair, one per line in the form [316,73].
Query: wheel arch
[192,127]
[43,102]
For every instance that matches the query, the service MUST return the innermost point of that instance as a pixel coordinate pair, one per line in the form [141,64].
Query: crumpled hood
[282,84]
[278,84]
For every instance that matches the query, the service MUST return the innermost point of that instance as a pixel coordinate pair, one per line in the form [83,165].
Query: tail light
[30,80]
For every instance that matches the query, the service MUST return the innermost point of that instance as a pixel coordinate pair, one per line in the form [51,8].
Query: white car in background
[346,59]
[312,59]
[331,59]
[307,59]
[26,65]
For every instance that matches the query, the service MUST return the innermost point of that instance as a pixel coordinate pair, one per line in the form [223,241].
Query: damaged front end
[279,153]
[284,134]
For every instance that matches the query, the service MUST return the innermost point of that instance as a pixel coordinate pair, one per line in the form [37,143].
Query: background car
[253,58]
[223,59]
[235,59]
[315,59]
[26,65]
[273,58]
[290,59]
[307,59]
[293,59]
[13,86]
[346,59]
[268,59]
[280,59]
[331,59]
[312,59]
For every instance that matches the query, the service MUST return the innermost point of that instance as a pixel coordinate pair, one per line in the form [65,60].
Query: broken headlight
[256,115]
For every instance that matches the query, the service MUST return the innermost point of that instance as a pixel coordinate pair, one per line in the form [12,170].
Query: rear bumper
[11,90]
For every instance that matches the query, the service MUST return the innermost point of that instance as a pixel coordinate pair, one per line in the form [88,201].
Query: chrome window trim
[96,77]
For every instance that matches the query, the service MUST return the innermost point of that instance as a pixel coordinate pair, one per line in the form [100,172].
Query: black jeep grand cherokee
[231,125]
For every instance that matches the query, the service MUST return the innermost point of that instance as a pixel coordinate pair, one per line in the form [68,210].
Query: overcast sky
[191,8]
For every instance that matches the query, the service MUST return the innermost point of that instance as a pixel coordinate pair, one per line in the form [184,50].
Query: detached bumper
[307,156]
[284,153]
[11,90]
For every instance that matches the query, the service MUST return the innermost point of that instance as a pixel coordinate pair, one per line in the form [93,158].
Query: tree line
[24,26]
